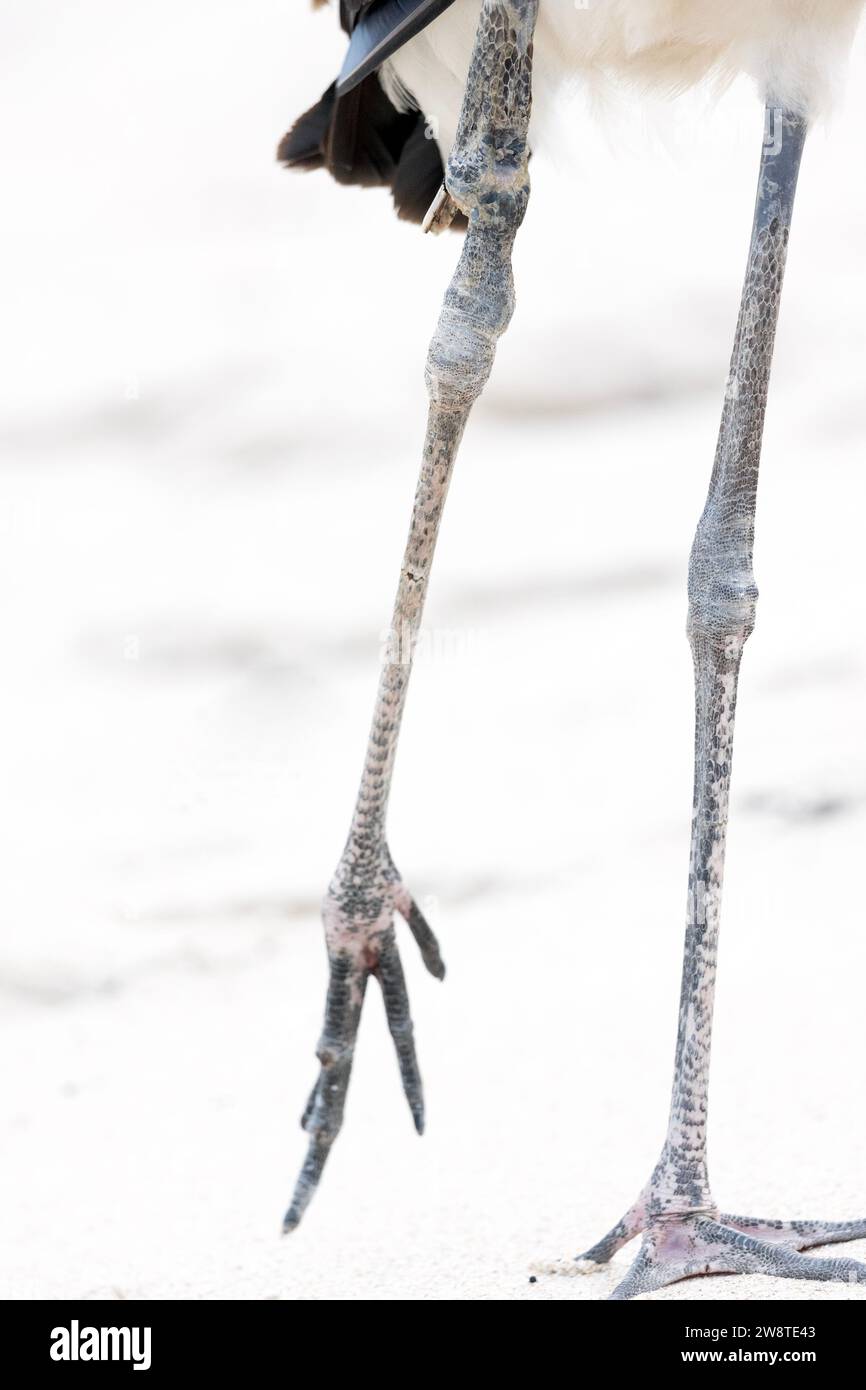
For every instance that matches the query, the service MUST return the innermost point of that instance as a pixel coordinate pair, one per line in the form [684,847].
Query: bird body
[793,49]
[394,124]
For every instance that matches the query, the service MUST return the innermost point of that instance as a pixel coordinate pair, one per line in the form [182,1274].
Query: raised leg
[683,1233]
[486,179]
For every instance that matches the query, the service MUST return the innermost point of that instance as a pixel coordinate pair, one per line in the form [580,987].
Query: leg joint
[723,596]
[477,309]
[491,186]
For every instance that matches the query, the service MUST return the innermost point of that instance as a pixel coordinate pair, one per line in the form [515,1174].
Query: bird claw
[675,1248]
[797,1235]
[680,1246]
[361,941]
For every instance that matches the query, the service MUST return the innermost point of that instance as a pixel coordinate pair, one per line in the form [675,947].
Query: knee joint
[477,310]
[723,595]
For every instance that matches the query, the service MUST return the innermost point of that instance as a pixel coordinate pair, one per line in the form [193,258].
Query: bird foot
[680,1246]
[359,914]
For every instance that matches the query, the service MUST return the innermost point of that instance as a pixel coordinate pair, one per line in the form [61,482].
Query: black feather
[303,147]
[418,177]
[367,136]
[360,138]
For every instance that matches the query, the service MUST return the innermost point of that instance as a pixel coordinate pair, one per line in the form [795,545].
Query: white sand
[211,423]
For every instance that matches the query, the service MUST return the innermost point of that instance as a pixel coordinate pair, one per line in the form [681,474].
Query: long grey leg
[722,601]
[683,1234]
[487,179]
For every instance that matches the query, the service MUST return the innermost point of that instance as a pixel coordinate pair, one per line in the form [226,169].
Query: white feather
[793,49]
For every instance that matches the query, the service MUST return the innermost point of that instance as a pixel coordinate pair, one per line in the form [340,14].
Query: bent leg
[487,179]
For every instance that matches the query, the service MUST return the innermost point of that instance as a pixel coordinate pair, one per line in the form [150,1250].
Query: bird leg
[487,179]
[683,1232]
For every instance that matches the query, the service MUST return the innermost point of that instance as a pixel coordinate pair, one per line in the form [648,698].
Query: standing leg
[683,1231]
[486,179]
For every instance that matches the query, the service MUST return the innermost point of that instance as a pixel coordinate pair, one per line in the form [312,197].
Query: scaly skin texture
[683,1232]
[487,179]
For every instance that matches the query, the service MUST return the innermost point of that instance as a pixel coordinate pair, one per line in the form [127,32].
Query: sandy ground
[210,429]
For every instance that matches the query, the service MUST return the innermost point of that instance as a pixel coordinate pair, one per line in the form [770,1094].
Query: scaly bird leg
[486,179]
[683,1233]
